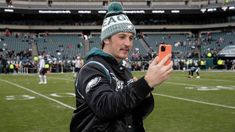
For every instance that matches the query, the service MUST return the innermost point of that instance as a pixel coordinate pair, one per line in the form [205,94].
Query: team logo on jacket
[119,83]
[92,83]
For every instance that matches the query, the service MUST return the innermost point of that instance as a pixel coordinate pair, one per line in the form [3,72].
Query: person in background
[11,67]
[194,69]
[233,64]
[126,63]
[78,65]
[42,70]
[108,98]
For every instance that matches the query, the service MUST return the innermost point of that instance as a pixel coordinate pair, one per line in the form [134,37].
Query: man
[78,65]
[42,69]
[108,98]
[194,68]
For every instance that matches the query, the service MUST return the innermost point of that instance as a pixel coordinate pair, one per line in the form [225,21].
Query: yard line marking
[61,79]
[195,101]
[179,98]
[220,80]
[204,79]
[44,96]
[184,84]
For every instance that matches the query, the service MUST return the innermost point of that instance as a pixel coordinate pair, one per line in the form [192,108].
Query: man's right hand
[158,72]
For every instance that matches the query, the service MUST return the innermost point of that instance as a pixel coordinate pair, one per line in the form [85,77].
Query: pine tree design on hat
[116,21]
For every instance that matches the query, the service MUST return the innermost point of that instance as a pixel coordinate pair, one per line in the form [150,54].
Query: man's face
[119,45]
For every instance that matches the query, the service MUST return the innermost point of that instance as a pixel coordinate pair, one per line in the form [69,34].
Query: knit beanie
[116,21]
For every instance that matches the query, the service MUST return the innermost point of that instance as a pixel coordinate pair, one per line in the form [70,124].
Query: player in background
[78,65]
[194,69]
[42,68]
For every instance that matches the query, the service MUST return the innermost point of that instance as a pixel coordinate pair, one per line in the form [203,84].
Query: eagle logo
[92,83]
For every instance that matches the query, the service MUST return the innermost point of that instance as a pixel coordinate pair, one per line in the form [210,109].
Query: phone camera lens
[163,48]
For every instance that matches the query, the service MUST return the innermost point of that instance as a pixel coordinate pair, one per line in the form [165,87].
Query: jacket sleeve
[145,107]
[104,101]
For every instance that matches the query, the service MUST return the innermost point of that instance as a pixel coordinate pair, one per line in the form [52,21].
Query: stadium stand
[200,27]
[14,43]
[65,45]
[129,4]
[227,51]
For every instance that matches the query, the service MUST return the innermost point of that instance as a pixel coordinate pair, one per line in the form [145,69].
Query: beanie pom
[116,21]
[115,7]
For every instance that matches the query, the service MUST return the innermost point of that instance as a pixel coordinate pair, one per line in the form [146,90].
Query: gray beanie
[116,21]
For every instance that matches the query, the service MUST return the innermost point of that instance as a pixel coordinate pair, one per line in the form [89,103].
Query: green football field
[206,104]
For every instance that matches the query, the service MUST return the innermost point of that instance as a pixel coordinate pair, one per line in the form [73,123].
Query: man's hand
[158,72]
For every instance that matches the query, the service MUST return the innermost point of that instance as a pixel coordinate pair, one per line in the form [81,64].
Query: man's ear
[106,41]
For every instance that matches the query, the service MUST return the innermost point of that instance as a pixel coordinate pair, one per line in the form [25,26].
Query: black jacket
[108,99]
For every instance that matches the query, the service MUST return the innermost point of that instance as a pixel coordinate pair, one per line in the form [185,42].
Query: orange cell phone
[164,49]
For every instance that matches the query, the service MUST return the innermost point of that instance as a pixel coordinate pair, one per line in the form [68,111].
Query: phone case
[164,49]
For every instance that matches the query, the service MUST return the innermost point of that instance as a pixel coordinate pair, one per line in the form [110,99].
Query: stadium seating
[217,40]
[169,38]
[95,41]
[66,44]
[69,4]
[70,45]
[14,43]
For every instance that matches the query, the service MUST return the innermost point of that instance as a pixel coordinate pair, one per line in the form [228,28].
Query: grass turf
[181,104]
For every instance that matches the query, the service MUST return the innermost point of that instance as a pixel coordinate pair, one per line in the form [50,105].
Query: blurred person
[11,67]
[228,64]
[108,98]
[42,70]
[25,65]
[194,69]
[17,66]
[220,64]
[1,65]
[49,2]
[20,67]
[78,65]
[4,65]
[126,63]
[202,64]
[233,64]
[9,3]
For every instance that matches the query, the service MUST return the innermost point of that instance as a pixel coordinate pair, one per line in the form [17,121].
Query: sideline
[195,101]
[44,96]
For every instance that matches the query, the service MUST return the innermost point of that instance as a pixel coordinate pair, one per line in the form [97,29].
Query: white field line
[184,84]
[195,101]
[179,98]
[29,90]
[204,79]
[190,100]
[168,96]
[220,80]
[72,80]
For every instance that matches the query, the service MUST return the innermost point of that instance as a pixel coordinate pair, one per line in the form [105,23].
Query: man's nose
[128,42]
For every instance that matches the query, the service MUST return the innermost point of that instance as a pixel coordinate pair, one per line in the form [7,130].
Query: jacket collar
[98,52]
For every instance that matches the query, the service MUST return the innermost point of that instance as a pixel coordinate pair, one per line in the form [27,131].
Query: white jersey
[78,63]
[41,64]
